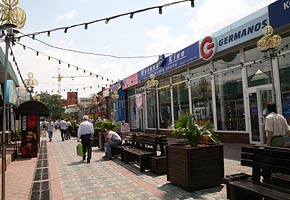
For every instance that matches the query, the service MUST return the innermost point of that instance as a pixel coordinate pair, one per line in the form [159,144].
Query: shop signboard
[121,106]
[171,62]
[279,13]
[130,81]
[244,30]
[11,96]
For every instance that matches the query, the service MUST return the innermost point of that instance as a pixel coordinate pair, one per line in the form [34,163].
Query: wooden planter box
[195,168]
[158,165]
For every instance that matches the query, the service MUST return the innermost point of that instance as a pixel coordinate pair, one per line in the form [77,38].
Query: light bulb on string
[131,15]
[106,21]
[192,3]
[86,26]
[65,30]
[160,10]
[48,33]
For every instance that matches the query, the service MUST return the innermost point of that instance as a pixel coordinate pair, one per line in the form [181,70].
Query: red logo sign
[207,48]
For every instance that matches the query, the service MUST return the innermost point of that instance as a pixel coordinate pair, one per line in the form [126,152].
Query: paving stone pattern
[78,180]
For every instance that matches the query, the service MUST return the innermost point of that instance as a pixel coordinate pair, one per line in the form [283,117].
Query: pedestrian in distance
[68,130]
[112,139]
[49,128]
[63,127]
[276,126]
[85,133]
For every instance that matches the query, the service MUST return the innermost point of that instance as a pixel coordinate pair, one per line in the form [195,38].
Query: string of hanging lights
[98,54]
[64,62]
[106,20]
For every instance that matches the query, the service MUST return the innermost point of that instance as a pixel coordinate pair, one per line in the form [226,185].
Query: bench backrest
[269,164]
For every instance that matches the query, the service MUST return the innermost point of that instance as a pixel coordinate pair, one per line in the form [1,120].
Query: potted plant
[194,165]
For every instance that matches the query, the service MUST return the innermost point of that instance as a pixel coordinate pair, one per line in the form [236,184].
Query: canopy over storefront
[32,108]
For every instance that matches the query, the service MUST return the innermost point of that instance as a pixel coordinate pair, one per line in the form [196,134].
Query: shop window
[202,100]
[165,112]
[229,100]
[132,111]
[180,95]
[258,73]
[151,107]
[284,68]
[201,95]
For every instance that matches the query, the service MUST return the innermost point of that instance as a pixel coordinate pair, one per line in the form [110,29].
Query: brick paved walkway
[71,179]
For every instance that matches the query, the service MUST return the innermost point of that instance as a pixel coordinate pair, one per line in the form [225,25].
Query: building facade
[222,78]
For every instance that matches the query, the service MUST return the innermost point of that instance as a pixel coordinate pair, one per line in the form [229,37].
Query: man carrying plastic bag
[85,133]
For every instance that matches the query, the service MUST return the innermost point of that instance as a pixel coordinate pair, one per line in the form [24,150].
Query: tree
[54,103]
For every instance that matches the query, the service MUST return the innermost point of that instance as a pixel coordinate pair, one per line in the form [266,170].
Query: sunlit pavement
[58,173]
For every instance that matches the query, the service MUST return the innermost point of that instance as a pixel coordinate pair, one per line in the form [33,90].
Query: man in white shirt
[85,133]
[276,126]
[112,139]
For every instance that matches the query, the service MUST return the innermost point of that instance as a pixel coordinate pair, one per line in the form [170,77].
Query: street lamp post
[30,82]
[268,44]
[153,83]
[12,18]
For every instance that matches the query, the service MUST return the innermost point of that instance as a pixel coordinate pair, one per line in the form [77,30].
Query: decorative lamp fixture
[12,15]
[152,82]
[115,95]
[269,40]
[30,82]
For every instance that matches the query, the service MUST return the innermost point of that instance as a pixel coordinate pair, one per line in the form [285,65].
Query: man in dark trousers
[63,127]
[85,133]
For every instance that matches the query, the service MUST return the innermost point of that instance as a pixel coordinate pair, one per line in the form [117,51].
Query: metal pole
[4,117]
[156,111]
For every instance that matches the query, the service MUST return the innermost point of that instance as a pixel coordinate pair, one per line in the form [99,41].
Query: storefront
[223,78]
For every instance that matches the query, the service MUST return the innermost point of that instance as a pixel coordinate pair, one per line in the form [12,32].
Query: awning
[32,108]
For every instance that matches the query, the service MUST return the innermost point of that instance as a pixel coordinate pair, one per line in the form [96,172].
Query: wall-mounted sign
[279,13]
[251,28]
[207,47]
[171,62]
[11,96]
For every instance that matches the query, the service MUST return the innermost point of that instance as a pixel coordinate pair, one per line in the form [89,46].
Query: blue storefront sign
[121,106]
[171,62]
[279,13]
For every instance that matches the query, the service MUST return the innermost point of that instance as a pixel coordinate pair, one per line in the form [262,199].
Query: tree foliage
[54,103]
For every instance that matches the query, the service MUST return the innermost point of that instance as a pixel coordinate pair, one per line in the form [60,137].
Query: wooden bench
[145,146]
[127,141]
[270,178]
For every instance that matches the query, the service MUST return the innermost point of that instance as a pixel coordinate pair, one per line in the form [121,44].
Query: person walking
[112,139]
[68,130]
[50,127]
[276,126]
[85,133]
[63,127]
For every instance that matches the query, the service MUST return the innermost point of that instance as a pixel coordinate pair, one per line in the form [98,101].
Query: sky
[148,34]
